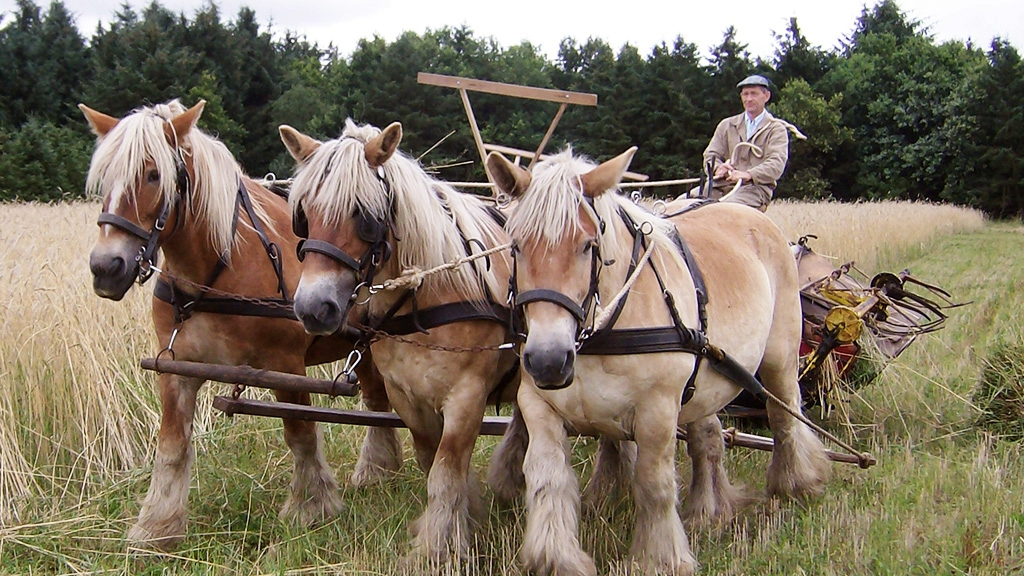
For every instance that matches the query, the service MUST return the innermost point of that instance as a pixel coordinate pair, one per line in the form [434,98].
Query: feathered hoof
[169,537]
[379,460]
[702,512]
[311,511]
[802,475]
[419,563]
[645,568]
[433,555]
[370,473]
[566,563]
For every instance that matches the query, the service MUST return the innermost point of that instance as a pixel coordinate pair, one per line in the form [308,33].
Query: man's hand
[737,175]
[723,170]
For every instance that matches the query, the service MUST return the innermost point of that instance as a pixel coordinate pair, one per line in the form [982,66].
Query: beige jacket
[772,137]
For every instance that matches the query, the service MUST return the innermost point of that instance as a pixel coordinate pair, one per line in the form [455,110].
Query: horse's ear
[384,145]
[607,175]
[510,178]
[101,123]
[300,146]
[181,124]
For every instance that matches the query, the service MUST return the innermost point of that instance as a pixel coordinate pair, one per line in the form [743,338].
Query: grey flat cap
[755,80]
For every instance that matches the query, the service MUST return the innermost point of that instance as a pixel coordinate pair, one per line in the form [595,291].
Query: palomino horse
[372,214]
[166,185]
[577,243]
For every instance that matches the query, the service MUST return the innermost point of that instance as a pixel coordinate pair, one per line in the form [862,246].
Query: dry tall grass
[74,403]
[76,411]
[874,235]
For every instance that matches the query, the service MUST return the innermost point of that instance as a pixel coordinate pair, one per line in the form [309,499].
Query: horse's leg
[613,471]
[505,472]
[799,466]
[550,542]
[163,516]
[314,494]
[711,497]
[660,545]
[453,495]
[381,455]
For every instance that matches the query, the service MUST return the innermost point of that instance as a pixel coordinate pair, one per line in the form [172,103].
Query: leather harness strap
[675,338]
[424,320]
[186,304]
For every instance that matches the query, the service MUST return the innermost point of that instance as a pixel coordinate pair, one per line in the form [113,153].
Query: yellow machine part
[844,323]
[842,297]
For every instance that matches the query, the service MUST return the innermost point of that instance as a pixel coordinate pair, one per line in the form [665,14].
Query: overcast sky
[641,23]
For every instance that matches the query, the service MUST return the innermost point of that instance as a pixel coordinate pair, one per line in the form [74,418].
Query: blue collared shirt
[753,124]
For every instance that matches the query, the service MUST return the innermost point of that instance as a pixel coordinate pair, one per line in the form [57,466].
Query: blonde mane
[429,217]
[550,208]
[121,155]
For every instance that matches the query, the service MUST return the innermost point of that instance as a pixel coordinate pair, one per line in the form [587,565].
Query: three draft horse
[169,187]
[371,214]
[630,328]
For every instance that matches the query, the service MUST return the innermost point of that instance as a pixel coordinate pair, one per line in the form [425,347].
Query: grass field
[78,420]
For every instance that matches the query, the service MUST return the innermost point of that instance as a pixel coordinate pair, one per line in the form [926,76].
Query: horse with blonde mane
[169,187]
[373,216]
[634,331]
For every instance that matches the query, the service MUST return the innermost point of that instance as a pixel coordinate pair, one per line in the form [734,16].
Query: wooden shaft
[502,89]
[249,376]
[490,426]
[475,129]
[734,438]
[547,136]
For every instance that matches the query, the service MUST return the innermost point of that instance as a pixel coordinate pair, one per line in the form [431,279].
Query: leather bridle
[146,258]
[370,229]
[580,312]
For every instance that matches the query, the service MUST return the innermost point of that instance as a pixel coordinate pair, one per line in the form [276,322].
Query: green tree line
[889,112]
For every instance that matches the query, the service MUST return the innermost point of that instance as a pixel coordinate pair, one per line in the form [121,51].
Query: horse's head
[557,235]
[143,175]
[341,206]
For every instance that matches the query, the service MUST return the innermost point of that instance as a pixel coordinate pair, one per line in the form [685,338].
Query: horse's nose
[107,267]
[318,316]
[326,311]
[551,369]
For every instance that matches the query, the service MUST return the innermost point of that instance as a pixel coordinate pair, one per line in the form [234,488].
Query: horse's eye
[153,177]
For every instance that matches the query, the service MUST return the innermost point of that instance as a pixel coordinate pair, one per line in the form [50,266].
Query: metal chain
[229,295]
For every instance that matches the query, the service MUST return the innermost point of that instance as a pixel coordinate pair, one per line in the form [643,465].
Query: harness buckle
[146,268]
[353,359]
[585,335]
[170,343]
